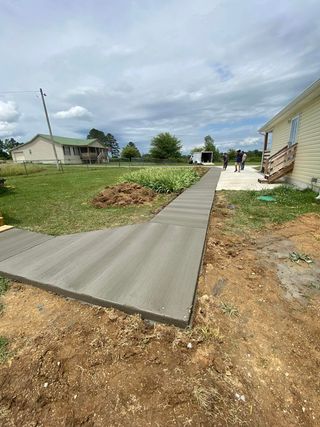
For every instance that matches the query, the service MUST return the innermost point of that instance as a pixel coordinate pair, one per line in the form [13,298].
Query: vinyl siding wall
[280,136]
[307,163]
[39,150]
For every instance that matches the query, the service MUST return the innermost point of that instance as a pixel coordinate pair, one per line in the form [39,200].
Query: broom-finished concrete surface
[151,268]
[245,180]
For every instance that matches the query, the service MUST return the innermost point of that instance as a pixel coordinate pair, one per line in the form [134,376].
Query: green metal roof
[62,140]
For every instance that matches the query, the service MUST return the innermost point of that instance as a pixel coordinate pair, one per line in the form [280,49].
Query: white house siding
[40,150]
[280,136]
[307,163]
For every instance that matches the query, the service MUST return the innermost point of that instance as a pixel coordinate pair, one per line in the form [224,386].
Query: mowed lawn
[59,203]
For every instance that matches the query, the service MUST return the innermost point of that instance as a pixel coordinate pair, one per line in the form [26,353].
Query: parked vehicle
[201,157]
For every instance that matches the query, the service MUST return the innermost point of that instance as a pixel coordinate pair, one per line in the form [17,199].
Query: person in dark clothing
[238,161]
[225,161]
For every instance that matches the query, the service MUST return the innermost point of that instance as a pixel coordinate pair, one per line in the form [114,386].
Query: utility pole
[50,131]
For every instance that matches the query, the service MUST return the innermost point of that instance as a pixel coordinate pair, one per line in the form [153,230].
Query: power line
[19,91]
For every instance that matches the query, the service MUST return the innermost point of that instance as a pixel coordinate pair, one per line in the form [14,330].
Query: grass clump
[4,285]
[163,180]
[252,213]
[4,353]
[229,309]
[14,169]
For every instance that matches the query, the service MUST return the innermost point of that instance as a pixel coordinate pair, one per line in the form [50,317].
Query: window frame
[294,128]
[76,151]
[66,150]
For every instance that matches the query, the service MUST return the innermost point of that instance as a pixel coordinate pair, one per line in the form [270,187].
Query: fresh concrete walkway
[151,268]
[245,180]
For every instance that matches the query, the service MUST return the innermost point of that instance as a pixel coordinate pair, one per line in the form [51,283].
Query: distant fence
[10,168]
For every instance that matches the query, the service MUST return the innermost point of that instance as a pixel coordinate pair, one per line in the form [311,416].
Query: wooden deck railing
[265,158]
[280,160]
[88,156]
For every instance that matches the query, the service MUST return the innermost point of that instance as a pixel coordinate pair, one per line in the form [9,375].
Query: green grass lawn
[251,213]
[59,203]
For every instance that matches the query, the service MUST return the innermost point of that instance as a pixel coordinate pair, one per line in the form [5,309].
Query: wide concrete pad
[151,268]
[245,180]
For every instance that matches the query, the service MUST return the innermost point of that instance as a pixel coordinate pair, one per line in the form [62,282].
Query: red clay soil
[251,359]
[123,195]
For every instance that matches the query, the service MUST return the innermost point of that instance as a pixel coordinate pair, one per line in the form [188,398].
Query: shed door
[19,156]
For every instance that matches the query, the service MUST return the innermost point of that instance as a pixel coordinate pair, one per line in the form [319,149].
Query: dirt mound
[123,195]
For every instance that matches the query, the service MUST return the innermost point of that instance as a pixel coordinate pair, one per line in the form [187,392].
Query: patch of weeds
[163,180]
[252,213]
[206,397]
[4,285]
[229,309]
[206,333]
[314,286]
[4,353]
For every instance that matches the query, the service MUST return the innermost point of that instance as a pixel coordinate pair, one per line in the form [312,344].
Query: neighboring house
[69,150]
[295,150]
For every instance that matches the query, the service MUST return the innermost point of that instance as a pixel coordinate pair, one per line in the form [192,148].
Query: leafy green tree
[210,146]
[6,146]
[130,151]
[232,154]
[97,134]
[108,140]
[113,144]
[165,146]
[197,149]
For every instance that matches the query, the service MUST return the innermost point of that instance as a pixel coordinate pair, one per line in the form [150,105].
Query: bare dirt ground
[252,357]
[123,195]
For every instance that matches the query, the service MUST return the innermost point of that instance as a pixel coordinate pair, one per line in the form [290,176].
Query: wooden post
[88,151]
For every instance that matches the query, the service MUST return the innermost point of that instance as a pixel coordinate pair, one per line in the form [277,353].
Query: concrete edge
[87,299]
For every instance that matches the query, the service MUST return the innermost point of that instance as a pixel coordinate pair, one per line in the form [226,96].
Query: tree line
[163,146]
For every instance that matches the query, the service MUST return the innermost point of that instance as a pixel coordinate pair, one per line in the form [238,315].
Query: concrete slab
[15,241]
[245,180]
[151,268]
[192,208]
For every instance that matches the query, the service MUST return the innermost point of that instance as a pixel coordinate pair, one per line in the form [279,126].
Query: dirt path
[252,358]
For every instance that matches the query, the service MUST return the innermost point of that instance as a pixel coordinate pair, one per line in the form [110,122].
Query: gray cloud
[220,68]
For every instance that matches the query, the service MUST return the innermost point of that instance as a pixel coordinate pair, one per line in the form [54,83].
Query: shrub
[163,180]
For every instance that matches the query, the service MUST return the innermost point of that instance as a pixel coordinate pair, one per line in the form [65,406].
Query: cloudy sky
[137,68]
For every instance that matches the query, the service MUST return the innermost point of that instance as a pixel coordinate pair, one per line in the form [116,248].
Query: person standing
[225,161]
[238,161]
[243,161]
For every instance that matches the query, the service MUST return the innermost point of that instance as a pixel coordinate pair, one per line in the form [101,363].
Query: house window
[76,151]
[30,151]
[66,151]
[293,131]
